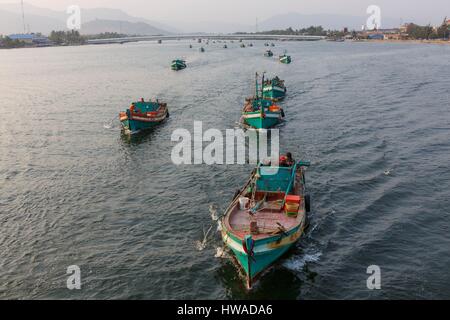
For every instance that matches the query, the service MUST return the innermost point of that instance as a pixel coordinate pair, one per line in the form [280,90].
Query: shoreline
[442,42]
[411,41]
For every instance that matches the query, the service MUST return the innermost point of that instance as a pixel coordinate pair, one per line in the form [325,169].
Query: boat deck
[270,220]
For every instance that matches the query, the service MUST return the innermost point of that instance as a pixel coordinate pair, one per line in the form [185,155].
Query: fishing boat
[159,41]
[190,46]
[250,44]
[143,115]
[285,59]
[242,45]
[178,64]
[199,40]
[266,44]
[225,46]
[261,113]
[267,216]
[272,44]
[268,54]
[202,49]
[274,89]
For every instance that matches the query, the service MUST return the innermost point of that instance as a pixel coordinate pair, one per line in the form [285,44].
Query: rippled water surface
[373,119]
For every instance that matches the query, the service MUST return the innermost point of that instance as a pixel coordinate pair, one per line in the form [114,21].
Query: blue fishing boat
[261,113]
[143,115]
[267,216]
[274,89]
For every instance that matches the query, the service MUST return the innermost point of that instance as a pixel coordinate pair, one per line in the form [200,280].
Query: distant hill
[328,21]
[45,20]
[122,27]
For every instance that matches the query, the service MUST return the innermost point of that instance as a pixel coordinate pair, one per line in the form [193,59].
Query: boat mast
[256,86]
[262,95]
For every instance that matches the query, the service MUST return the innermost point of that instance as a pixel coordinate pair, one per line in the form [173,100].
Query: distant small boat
[274,89]
[266,44]
[159,41]
[178,64]
[190,46]
[268,54]
[285,59]
[261,113]
[202,49]
[272,44]
[250,44]
[267,216]
[143,115]
[225,46]
[242,45]
[199,40]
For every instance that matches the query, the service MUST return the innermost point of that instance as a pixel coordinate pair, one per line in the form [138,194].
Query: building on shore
[31,39]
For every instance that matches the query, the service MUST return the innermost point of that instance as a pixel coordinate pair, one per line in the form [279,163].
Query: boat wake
[213,211]
[221,253]
[110,124]
[201,245]
[297,263]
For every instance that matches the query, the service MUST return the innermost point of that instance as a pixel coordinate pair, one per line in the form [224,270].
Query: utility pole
[256,24]
[23,19]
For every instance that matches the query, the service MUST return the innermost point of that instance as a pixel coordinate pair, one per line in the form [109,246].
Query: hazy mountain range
[93,20]
[114,20]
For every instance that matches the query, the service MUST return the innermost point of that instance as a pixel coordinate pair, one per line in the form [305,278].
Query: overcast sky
[245,11]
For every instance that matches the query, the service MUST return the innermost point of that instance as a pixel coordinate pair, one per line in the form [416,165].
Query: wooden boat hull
[257,121]
[266,251]
[136,126]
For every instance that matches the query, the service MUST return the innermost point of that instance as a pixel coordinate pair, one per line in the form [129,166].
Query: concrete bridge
[237,37]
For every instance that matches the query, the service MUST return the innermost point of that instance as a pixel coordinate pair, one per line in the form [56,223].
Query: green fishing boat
[143,115]
[274,89]
[178,64]
[285,59]
[261,113]
[267,216]
[268,53]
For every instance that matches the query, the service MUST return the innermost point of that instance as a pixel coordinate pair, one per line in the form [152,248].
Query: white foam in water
[297,263]
[201,245]
[213,211]
[220,253]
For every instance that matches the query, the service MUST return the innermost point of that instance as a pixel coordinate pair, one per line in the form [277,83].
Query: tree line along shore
[409,32]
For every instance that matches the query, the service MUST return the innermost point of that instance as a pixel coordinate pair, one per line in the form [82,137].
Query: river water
[373,119]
